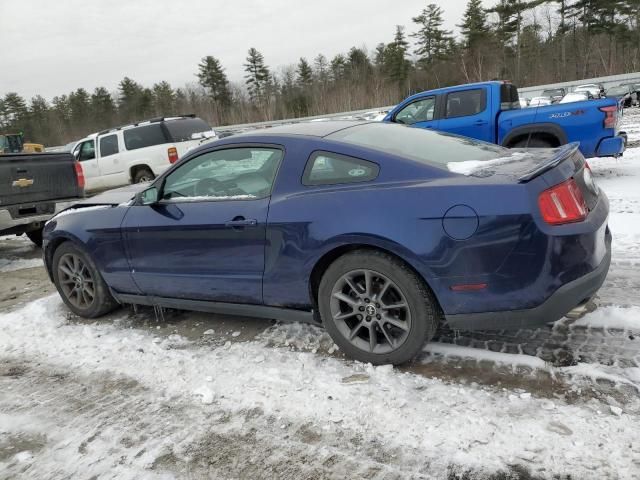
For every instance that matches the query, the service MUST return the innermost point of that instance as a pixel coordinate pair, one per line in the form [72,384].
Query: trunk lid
[553,164]
[40,177]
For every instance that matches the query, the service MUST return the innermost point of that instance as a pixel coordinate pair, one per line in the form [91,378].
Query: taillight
[610,116]
[563,203]
[173,154]
[79,175]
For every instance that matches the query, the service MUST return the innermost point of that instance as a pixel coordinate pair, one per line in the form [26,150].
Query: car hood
[116,196]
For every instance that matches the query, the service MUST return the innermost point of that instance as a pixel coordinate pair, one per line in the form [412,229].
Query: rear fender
[537,128]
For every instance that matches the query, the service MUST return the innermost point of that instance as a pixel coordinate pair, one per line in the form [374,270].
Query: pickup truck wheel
[143,175]
[79,282]
[532,143]
[36,236]
[376,309]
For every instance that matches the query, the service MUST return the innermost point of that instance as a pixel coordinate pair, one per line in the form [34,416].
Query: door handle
[242,222]
[480,122]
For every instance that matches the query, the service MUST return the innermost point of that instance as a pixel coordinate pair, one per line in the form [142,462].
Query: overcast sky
[50,47]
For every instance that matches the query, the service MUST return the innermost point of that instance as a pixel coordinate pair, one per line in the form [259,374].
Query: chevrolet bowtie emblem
[22,182]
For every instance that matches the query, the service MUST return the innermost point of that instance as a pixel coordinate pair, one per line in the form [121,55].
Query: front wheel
[79,282]
[376,309]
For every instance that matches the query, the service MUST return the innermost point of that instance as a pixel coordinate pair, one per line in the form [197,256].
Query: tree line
[529,42]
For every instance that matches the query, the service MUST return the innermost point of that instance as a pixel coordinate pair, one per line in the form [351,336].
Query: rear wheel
[532,143]
[143,175]
[376,309]
[79,282]
[35,236]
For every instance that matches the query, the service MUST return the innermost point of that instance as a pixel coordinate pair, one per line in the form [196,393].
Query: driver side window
[87,151]
[231,174]
[419,111]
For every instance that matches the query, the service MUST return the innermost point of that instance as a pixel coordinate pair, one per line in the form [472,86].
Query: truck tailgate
[32,178]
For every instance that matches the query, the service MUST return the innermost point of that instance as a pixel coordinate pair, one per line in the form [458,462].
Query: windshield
[181,129]
[435,148]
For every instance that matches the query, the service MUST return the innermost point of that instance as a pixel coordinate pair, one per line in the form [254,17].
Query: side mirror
[148,196]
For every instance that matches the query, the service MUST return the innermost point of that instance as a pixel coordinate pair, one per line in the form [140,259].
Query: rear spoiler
[562,154]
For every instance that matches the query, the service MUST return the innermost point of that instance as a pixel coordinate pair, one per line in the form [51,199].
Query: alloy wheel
[76,281]
[370,311]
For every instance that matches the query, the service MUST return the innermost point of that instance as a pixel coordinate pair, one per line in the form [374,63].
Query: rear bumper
[564,299]
[19,224]
[611,147]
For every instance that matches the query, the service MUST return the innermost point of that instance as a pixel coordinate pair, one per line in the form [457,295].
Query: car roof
[312,129]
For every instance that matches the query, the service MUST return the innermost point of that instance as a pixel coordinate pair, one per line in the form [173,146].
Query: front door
[205,237]
[419,113]
[85,152]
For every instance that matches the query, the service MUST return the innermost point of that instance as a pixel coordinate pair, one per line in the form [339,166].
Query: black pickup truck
[33,187]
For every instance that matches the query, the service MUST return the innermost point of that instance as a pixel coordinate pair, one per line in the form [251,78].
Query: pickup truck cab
[138,152]
[490,111]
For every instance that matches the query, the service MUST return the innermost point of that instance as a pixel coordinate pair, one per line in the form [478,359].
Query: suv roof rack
[142,122]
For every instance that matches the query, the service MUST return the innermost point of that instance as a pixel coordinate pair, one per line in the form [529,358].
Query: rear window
[509,97]
[434,148]
[108,145]
[145,136]
[465,103]
[181,129]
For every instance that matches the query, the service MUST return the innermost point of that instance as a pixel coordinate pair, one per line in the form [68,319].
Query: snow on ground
[425,424]
[110,399]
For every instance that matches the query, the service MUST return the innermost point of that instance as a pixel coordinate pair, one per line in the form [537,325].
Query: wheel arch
[545,131]
[51,247]
[134,169]
[323,263]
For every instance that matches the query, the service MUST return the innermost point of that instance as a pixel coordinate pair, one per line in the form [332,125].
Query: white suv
[138,152]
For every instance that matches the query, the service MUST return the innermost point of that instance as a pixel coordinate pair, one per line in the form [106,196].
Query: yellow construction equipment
[14,143]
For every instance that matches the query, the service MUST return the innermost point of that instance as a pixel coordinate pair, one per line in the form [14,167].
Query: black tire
[421,312]
[532,143]
[36,236]
[101,302]
[143,175]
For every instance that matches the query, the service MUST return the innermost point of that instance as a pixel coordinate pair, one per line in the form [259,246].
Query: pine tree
[337,67]
[130,101]
[433,42]
[103,108]
[321,68]
[80,104]
[212,77]
[258,77]
[164,99]
[13,111]
[473,27]
[396,63]
[304,74]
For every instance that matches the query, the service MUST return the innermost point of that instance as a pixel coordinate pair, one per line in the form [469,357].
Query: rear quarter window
[327,168]
[182,129]
[144,136]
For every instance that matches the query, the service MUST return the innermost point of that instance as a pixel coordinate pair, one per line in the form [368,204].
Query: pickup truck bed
[33,187]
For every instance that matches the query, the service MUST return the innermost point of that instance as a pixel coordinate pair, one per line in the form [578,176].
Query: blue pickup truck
[490,111]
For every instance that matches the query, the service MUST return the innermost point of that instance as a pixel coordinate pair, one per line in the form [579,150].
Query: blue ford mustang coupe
[379,231]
